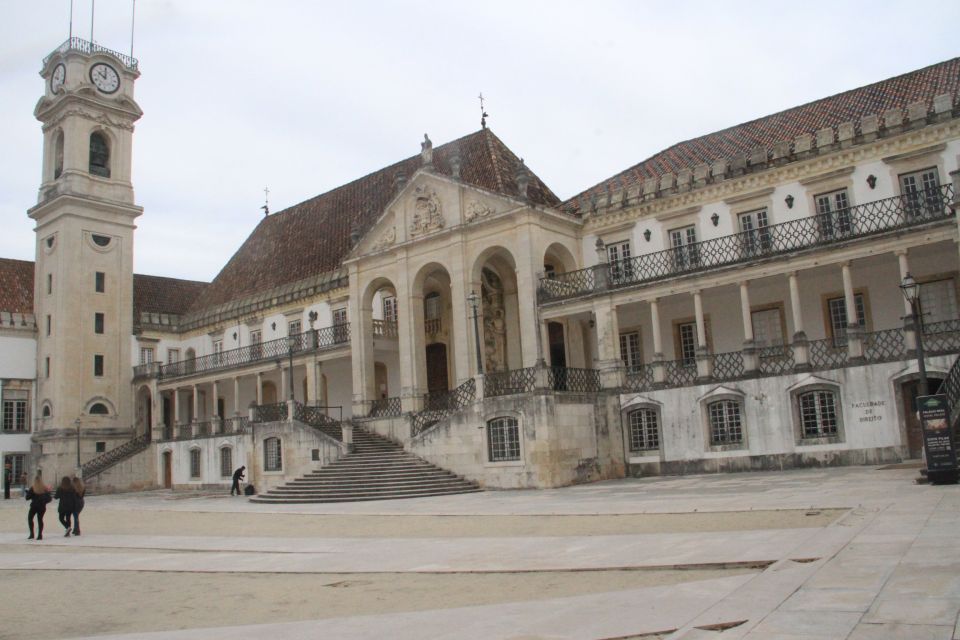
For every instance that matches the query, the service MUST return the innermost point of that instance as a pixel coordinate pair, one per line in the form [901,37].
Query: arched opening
[47,411]
[495,273]
[99,155]
[58,155]
[382,384]
[379,353]
[99,409]
[435,335]
[558,259]
[167,470]
[269,393]
[144,411]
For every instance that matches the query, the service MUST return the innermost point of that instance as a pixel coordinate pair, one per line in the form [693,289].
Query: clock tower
[83,280]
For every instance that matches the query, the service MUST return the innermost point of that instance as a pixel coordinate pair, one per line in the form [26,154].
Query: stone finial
[700,174]
[758,155]
[667,181]
[917,111]
[650,186]
[601,250]
[619,198]
[845,131]
[943,103]
[802,143]
[869,124]
[824,137]
[683,179]
[738,163]
[719,168]
[426,151]
[523,179]
[455,164]
[633,194]
[399,180]
[780,150]
[892,118]
[354,234]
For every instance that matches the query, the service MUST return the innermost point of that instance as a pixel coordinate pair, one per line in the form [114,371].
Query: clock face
[104,77]
[57,78]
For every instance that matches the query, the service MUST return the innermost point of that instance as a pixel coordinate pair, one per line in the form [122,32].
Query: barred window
[818,414]
[226,462]
[644,433]
[271,455]
[726,425]
[194,463]
[503,439]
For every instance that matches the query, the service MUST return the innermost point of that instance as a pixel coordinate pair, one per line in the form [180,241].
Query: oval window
[101,241]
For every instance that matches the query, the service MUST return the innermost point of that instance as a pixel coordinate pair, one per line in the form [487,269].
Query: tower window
[46,367]
[58,156]
[100,241]
[100,281]
[99,409]
[49,283]
[99,155]
[49,324]
[98,365]
[98,323]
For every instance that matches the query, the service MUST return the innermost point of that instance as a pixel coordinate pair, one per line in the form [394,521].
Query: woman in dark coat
[68,503]
[39,497]
[79,489]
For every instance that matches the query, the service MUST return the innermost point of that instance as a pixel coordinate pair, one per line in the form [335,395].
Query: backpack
[249,490]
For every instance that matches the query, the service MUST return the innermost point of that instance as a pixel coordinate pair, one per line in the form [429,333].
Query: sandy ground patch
[106,602]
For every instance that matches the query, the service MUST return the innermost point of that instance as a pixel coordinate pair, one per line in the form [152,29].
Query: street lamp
[291,343]
[911,291]
[474,301]
[76,423]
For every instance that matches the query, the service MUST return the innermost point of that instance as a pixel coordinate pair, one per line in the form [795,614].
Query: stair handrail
[95,466]
[453,402]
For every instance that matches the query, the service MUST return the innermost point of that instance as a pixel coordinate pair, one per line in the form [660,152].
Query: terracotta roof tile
[16,286]
[898,92]
[156,294]
[313,237]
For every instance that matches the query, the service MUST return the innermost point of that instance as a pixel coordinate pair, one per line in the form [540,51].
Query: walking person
[39,497]
[79,489]
[7,480]
[237,477]
[68,500]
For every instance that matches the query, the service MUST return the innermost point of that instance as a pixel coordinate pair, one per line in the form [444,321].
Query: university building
[731,303]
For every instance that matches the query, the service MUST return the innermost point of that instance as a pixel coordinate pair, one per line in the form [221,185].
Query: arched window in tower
[99,155]
[58,155]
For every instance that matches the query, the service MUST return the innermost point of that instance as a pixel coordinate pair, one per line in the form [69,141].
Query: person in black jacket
[237,477]
[68,503]
[80,490]
[39,497]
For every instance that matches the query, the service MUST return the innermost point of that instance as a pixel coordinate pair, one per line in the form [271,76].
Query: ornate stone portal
[494,322]
[427,213]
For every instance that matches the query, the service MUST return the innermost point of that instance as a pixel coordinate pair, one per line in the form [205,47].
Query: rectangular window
[938,301]
[754,234]
[98,323]
[921,193]
[49,324]
[644,434]
[98,365]
[503,439]
[100,281]
[630,350]
[101,447]
[726,426]
[49,283]
[146,355]
[340,332]
[15,405]
[390,308]
[837,309]
[686,251]
[818,414]
[767,328]
[195,463]
[226,462]
[293,328]
[688,343]
[173,355]
[833,214]
[618,256]
[18,467]
[272,460]
[218,346]
[256,337]
[46,367]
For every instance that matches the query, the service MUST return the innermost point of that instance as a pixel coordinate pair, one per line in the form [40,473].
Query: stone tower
[83,280]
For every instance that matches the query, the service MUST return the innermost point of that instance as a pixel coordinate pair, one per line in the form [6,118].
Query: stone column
[608,344]
[310,376]
[601,272]
[175,408]
[461,335]
[854,330]
[526,277]
[909,330]
[704,361]
[659,372]
[216,420]
[195,403]
[955,175]
[409,322]
[284,390]
[361,349]
[236,395]
[801,346]
[750,361]
[259,388]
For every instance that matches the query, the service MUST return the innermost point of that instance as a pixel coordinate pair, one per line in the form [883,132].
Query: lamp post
[291,343]
[76,423]
[474,301]
[911,291]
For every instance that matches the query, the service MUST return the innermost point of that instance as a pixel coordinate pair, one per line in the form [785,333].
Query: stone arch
[100,148]
[58,142]
[432,314]
[494,277]
[558,259]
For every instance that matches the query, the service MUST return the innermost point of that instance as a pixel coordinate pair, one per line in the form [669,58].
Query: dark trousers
[6,490]
[65,519]
[39,514]
[76,522]
[236,487]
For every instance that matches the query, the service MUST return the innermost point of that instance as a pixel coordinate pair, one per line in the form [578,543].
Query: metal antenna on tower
[483,114]
[93,5]
[133,21]
[71,20]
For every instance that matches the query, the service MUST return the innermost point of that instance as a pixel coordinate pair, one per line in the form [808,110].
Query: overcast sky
[305,96]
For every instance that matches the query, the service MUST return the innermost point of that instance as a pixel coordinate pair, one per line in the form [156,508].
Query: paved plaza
[858,553]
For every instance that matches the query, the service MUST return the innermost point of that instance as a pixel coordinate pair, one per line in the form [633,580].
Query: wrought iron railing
[454,401]
[504,383]
[89,48]
[104,461]
[867,219]
[951,388]
[828,354]
[238,424]
[317,418]
[884,346]
[326,338]
[385,408]
[941,337]
[384,329]
[168,432]
[573,379]
[775,360]
[639,377]
[276,412]
[728,366]
[679,373]
[185,432]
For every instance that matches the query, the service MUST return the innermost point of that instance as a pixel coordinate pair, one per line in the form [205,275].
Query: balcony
[89,48]
[810,233]
[384,329]
[206,429]
[334,337]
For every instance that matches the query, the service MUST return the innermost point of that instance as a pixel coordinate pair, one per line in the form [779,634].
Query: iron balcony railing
[951,388]
[871,218]
[89,48]
[320,339]
[385,408]
[444,405]
[573,379]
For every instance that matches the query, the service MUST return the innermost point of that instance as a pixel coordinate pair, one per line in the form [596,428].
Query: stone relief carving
[475,210]
[427,213]
[494,322]
[387,239]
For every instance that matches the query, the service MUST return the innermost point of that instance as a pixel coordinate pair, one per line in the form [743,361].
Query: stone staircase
[377,469]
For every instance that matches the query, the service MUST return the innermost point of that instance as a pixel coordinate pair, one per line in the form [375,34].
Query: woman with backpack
[68,502]
[79,489]
[39,497]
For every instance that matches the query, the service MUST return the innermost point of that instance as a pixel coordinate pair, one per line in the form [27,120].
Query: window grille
[146,355]
[503,439]
[726,425]
[390,308]
[226,462]
[194,463]
[938,301]
[644,431]
[272,455]
[818,414]
[630,351]
[767,328]
[688,343]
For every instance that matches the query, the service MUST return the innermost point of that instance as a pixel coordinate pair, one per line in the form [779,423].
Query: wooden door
[168,470]
[437,368]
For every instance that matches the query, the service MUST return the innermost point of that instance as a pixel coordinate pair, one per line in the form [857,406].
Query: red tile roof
[313,237]
[16,286]
[898,92]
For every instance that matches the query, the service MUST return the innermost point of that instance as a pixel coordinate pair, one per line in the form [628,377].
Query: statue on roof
[426,150]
